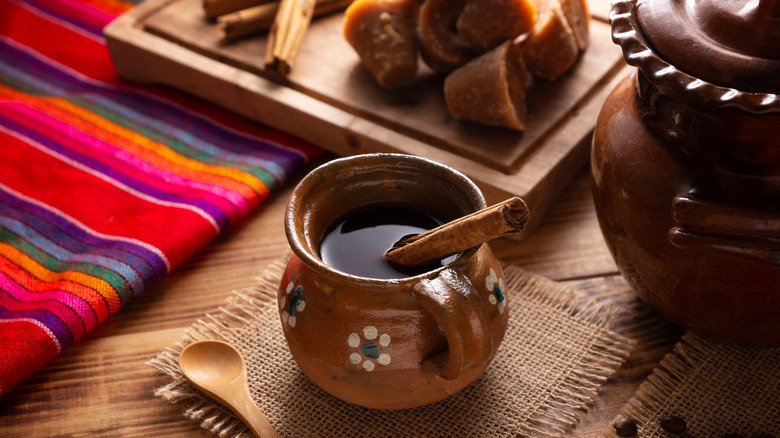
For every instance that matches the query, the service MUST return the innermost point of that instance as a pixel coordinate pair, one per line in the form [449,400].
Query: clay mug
[388,343]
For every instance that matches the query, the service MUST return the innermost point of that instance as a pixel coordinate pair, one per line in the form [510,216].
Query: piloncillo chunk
[488,48]
[488,23]
[383,33]
[578,16]
[558,37]
[441,46]
[490,89]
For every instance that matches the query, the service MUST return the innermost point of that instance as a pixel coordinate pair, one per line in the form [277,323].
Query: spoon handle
[252,416]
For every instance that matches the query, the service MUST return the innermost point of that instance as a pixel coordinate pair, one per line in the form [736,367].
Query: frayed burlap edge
[238,310]
[557,414]
[560,412]
[719,389]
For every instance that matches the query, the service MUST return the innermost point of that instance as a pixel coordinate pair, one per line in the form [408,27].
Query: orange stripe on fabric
[205,172]
[153,152]
[34,284]
[34,268]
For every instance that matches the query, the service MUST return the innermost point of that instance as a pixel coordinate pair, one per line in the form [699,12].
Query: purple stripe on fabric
[65,257]
[48,319]
[64,240]
[159,108]
[212,147]
[67,315]
[215,213]
[81,307]
[78,14]
[158,265]
[231,202]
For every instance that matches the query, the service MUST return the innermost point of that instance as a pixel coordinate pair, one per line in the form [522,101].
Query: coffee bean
[732,435]
[624,427]
[765,435]
[673,424]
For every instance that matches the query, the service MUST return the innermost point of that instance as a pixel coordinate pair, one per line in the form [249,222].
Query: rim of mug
[315,262]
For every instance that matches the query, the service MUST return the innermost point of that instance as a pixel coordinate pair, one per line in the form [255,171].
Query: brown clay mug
[388,343]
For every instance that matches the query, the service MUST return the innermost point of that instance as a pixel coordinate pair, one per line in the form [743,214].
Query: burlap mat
[557,351]
[716,389]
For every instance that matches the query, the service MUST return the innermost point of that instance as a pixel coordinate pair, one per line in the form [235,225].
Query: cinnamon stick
[506,217]
[260,18]
[284,39]
[215,8]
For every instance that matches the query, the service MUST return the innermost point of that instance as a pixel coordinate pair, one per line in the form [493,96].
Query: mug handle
[454,302]
[736,230]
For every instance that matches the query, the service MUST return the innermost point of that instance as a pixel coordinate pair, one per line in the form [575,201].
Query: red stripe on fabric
[101,206]
[77,11]
[26,347]
[12,301]
[63,45]
[111,7]
[92,59]
[34,284]
[239,123]
[85,309]
[156,177]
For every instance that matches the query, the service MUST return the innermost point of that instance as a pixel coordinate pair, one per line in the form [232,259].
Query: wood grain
[101,387]
[342,110]
[329,70]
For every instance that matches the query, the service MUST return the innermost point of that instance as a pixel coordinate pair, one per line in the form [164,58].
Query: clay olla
[685,164]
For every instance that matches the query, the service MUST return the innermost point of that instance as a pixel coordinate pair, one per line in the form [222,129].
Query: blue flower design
[496,285]
[291,304]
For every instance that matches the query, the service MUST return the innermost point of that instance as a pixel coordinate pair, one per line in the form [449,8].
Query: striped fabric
[105,186]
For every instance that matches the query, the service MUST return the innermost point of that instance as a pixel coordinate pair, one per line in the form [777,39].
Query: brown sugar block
[552,49]
[488,23]
[383,33]
[490,89]
[578,16]
[441,46]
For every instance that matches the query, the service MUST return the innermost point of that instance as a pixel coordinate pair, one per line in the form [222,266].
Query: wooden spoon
[219,370]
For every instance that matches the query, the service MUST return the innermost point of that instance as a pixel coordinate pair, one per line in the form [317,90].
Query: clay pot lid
[726,53]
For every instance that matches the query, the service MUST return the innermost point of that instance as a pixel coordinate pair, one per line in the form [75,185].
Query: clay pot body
[686,182]
[397,343]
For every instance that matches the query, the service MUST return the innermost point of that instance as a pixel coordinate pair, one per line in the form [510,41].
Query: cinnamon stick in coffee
[286,35]
[506,217]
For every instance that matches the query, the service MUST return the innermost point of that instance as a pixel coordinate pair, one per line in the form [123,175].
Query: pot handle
[457,307]
[721,227]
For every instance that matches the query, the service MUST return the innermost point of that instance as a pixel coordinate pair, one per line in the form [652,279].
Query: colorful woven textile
[105,186]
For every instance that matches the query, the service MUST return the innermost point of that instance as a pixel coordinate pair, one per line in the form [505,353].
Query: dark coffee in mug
[357,245]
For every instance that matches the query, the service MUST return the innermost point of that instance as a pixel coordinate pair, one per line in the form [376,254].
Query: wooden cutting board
[331,101]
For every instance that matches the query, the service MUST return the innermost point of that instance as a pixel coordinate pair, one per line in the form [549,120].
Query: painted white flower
[496,285]
[291,304]
[368,348]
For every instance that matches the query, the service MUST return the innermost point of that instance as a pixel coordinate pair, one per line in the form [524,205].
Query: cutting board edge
[142,57]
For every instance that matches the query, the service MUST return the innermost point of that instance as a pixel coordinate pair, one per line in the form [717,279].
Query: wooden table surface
[103,387]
